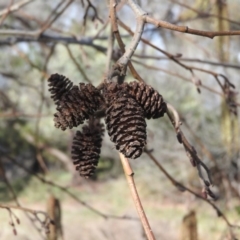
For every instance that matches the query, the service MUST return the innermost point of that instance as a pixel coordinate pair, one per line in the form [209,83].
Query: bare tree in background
[128,61]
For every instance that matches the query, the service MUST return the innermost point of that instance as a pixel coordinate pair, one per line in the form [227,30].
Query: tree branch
[15,7]
[139,14]
[183,188]
[137,202]
[183,29]
[31,37]
[184,59]
[65,190]
[119,39]
[190,151]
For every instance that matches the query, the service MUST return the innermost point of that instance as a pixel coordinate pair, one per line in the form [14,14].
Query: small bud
[211,194]
[178,55]
[179,137]
[18,221]
[204,194]
[11,224]
[180,187]
[47,230]
[219,213]
[206,183]
[14,231]
[52,222]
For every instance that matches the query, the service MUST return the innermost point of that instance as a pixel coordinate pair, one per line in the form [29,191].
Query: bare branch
[45,223]
[4,16]
[224,176]
[137,202]
[139,14]
[65,190]
[177,75]
[183,29]
[183,188]
[205,14]
[109,53]
[50,21]
[31,37]
[9,186]
[190,151]
[15,7]
[119,39]
[182,59]
[80,69]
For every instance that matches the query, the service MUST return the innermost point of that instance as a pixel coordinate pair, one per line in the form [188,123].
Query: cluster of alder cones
[125,105]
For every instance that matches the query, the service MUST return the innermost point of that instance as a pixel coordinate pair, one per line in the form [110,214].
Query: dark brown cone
[76,106]
[58,86]
[86,148]
[112,91]
[149,99]
[125,122]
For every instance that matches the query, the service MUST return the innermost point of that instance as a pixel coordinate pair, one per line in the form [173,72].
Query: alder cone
[125,122]
[58,86]
[77,105]
[86,148]
[113,90]
[148,98]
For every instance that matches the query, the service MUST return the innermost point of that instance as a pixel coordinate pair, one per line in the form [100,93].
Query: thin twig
[39,155]
[37,33]
[212,158]
[35,212]
[139,15]
[183,188]
[80,69]
[4,16]
[176,60]
[65,190]
[27,36]
[119,39]
[182,59]
[178,76]
[15,198]
[190,151]
[109,53]
[51,20]
[15,7]
[183,29]
[45,222]
[205,14]
[137,202]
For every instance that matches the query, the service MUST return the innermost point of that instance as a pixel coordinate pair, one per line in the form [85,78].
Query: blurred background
[39,38]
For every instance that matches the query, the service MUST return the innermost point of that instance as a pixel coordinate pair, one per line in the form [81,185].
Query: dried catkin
[125,121]
[58,86]
[86,148]
[148,98]
[76,106]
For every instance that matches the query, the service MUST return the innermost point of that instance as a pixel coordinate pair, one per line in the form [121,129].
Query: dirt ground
[113,198]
